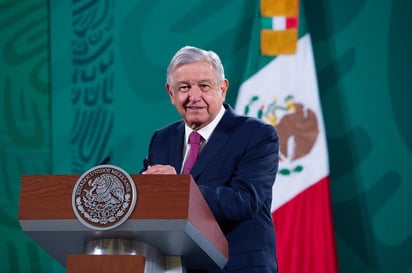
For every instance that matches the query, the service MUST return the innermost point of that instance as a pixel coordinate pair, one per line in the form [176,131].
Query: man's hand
[160,169]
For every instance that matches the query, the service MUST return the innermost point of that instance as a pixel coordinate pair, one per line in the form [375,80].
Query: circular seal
[104,197]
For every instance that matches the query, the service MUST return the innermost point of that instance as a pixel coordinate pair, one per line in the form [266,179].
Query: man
[238,159]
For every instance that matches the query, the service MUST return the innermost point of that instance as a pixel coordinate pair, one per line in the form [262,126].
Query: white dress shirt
[205,132]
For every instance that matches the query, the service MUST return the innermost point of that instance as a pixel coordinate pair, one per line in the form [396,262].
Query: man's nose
[195,92]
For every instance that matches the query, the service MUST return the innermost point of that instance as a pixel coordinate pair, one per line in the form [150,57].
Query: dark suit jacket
[235,172]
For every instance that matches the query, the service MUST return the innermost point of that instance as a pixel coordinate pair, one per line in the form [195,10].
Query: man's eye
[184,88]
[204,87]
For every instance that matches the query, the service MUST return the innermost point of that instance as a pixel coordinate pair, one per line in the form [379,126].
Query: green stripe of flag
[266,22]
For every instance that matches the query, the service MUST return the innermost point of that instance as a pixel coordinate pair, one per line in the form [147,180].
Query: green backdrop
[65,105]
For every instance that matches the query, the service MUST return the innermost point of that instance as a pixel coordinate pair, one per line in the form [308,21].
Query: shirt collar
[205,132]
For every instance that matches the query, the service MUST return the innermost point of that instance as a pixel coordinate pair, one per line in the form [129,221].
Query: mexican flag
[280,88]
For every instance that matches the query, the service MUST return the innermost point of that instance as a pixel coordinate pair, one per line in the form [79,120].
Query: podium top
[170,214]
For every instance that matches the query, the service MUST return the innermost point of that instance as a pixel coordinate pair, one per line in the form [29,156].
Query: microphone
[105,160]
[148,161]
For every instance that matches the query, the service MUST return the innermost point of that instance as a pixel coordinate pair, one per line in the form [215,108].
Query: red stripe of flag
[291,22]
[305,236]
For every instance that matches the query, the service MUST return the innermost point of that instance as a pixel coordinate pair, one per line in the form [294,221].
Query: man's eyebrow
[199,81]
[182,82]
[206,80]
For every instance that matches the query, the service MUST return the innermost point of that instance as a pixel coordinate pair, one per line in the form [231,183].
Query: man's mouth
[194,108]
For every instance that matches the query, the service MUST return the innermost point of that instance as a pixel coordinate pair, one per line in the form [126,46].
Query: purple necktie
[194,141]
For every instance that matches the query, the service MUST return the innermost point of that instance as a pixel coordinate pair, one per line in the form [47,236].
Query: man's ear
[171,94]
[223,87]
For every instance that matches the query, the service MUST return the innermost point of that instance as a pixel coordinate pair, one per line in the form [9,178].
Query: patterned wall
[363,54]
[93,72]
[83,76]
[24,124]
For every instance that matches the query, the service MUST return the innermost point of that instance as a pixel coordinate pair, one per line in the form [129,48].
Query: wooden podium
[170,216]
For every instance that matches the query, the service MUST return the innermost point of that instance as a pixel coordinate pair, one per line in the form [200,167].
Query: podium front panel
[170,214]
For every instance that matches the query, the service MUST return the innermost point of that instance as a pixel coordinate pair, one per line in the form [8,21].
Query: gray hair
[190,54]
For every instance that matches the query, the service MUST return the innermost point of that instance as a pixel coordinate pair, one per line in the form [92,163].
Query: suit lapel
[176,147]
[216,142]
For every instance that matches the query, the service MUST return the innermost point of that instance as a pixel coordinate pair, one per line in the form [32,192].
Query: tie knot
[194,137]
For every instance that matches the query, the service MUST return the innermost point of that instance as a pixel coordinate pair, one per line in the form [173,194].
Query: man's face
[195,93]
